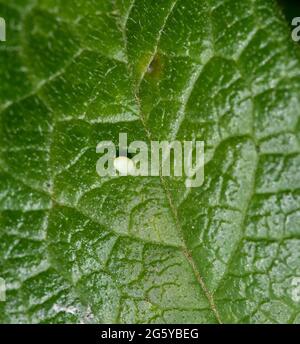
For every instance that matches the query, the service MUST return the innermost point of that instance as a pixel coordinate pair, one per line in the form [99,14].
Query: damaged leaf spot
[155,67]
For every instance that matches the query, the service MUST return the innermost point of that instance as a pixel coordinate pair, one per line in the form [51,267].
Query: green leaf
[75,247]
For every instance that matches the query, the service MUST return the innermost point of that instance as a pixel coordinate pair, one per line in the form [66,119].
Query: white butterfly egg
[124,166]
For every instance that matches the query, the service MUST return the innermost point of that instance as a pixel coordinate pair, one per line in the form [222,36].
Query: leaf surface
[79,248]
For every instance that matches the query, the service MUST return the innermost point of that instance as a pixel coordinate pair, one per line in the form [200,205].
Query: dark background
[290,8]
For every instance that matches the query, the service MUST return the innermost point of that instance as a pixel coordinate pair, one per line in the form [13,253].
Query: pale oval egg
[124,166]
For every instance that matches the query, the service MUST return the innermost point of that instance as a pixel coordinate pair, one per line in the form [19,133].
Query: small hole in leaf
[48,185]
